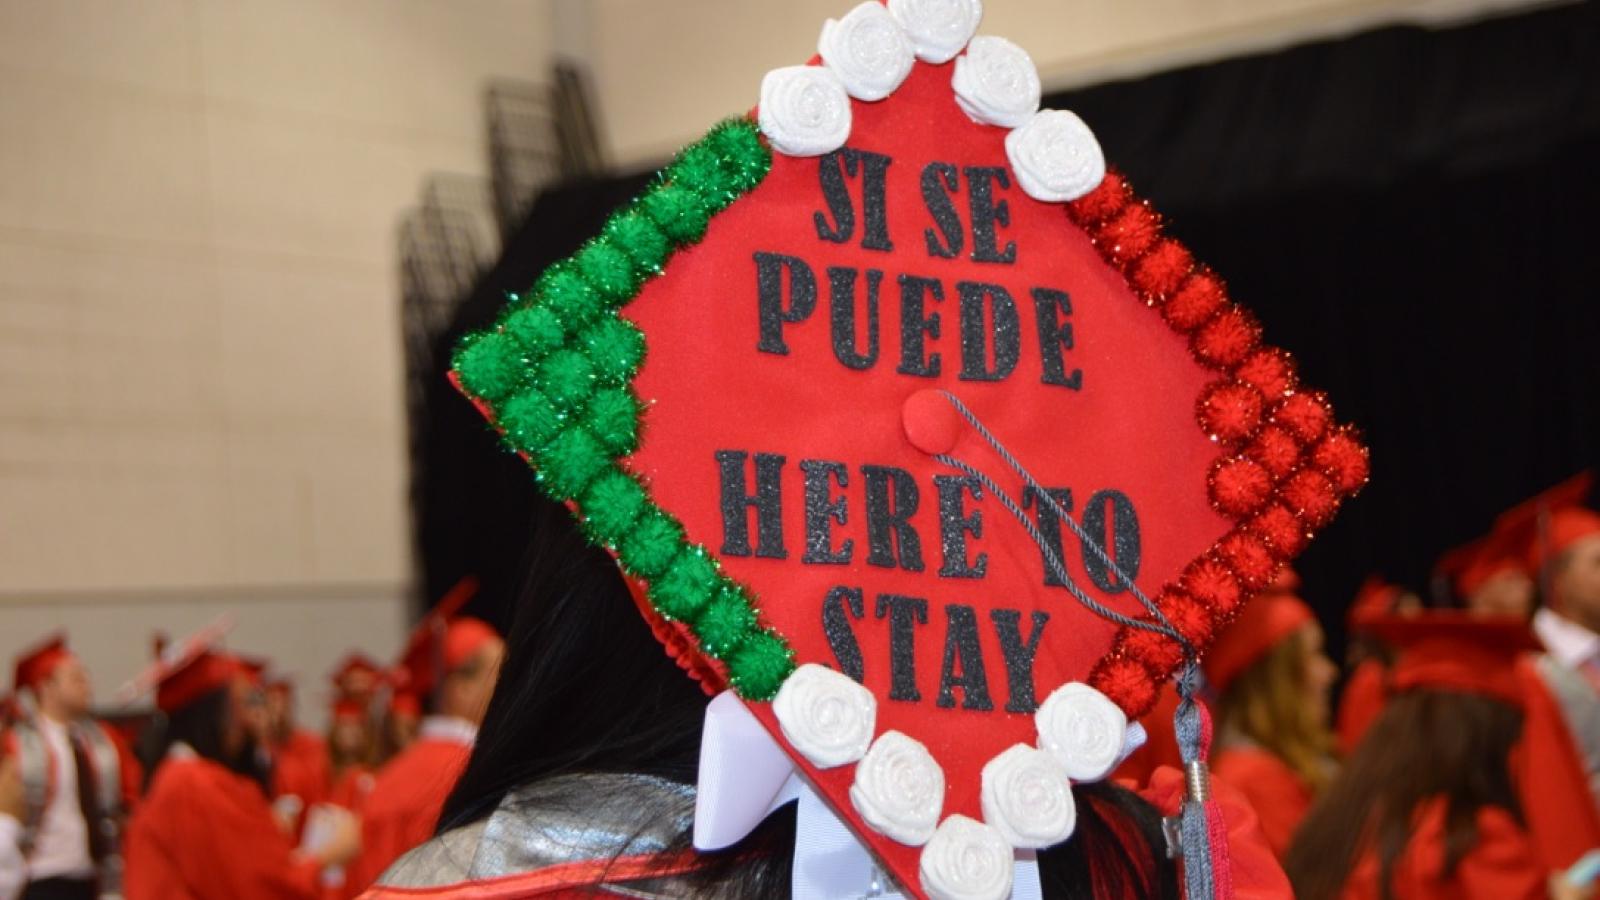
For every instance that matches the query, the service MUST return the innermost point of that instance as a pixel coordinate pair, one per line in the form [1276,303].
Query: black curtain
[1407,210]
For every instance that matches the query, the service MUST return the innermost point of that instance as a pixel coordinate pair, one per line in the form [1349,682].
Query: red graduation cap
[1454,650]
[348,710]
[1272,616]
[36,663]
[1547,524]
[808,384]
[1473,565]
[442,641]
[1375,599]
[357,674]
[254,669]
[404,703]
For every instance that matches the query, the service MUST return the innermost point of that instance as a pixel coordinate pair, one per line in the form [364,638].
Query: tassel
[1203,833]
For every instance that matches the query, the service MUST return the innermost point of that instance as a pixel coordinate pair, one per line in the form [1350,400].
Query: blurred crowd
[1462,759]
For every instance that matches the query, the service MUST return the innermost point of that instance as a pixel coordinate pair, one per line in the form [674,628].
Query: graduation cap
[1376,598]
[357,674]
[909,423]
[348,710]
[1475,564]
[36,663]
[441,642]
[188,670]
[1546,525]
[1273,615]
[1453,650]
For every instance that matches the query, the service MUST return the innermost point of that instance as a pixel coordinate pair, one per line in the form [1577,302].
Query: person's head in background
[401,722]
[214,709]
[1272,678]
[1376,599]
[350,738]
[1445,736]
[472,653]
[278,694]
[1572,566]
[56,681]
[586,688]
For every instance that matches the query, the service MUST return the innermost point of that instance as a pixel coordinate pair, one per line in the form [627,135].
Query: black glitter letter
[1124,546]
[961,648]
[1054,337]
[842,603]
[942,208]
[904,615]
[974,343]
[888,529]
[913,325]
[736,503]
[954,525]
[842,312]
[769,297]
[831,170]
[1019,655]
[1050,527]
[820,508]
[986,214]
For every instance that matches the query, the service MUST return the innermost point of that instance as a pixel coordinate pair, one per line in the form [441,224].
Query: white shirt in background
[61,846]
[1571,644]
[13,871]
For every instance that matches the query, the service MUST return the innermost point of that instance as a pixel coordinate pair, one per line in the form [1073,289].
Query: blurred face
[403,728]
[468,688]
[246,725]
[349,736]
[1320,671]
[279,711]
[66,694]
[1509,593]
[1576,583]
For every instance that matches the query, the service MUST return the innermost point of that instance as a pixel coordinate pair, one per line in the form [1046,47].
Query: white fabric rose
[966,860]
[804,110]
[1028,799]
[938,28]
[899,788]
[996,83]
[826,715]
[867,50]
[1055,156]
[1082,729]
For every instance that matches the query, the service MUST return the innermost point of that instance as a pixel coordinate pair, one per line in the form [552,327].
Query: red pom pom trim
[1239,486]
[1126,683]
[1283,531]
[1226,340]
[1252,562]
[1161,271]
[1213,583]
[1103,202]
[1200,298]
[1304,415]
[1275,450]
[1230,412]
[1154,650]
[1192,619]
[1343,459]
[1268,370]
[1310,494]
[1129,234]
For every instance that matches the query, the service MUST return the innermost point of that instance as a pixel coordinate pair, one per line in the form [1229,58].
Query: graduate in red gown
[1272,681]
[205,828]
[299,757]
[1367,659]
[1428,806]
[351,752]
[357,678]
[457,662]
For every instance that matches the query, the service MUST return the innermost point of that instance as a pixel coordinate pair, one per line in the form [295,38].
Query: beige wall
[708,56]
[200,371]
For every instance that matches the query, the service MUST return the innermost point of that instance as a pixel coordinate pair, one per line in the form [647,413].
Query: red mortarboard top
[1451,650]
[1375,599]
[186,671]
[358,664]
[404,703]
[1473,565]
[1549,522]
[1266,620]
[37,662]
[746,384]
[442,641]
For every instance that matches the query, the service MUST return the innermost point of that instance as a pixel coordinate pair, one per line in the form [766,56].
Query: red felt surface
[1131,427]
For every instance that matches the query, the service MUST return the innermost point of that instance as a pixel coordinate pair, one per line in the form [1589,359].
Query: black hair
[586,688]
[202,725]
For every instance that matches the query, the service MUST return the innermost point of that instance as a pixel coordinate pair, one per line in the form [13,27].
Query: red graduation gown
[300,767]
[1362,702]
[205,832]
[1503,864]
[403,808]
[1279,796]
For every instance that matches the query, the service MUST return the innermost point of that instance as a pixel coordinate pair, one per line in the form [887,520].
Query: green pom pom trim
[608,270]
[687,585]
[614,419]
[727,620]
[529,420]
[535,328]
[655,541]
[490,365]
[569,462]
[567,378]
[610,506]
[616,347]
[564,290]
[760,664]
[634,234]
[680,213]
[557,375]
